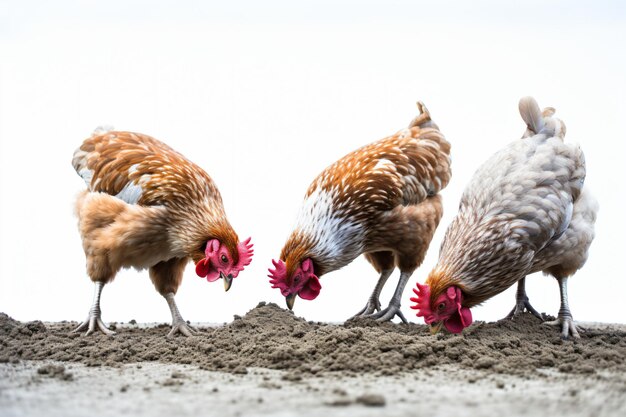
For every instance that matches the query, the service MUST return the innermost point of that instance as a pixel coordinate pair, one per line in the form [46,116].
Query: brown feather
[381,197]
[177,210]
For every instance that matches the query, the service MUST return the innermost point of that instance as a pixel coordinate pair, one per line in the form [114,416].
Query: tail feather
[531,114]
[538,121]
[422,120]
[101,130]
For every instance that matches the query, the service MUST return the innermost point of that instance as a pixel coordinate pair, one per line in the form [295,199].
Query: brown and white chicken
[525,210]
[147,206]
[380,200]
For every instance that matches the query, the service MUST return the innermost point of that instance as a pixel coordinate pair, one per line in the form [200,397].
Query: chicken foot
[522,303]
[565,319]
[393,309]
[373,303]
[93,319]
[178,324]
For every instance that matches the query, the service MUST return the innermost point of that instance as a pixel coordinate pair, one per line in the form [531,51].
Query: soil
[272,363]
[271,337]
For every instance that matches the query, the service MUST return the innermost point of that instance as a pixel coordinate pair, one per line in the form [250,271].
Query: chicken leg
[373,303]
[179,325]
[522,303]
[393,309]
[565,319]
[93,319]
[166,277]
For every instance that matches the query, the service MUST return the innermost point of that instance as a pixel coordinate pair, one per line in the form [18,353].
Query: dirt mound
[271,337]
[11,327]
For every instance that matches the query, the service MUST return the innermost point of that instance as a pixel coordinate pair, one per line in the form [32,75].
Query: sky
[264,96]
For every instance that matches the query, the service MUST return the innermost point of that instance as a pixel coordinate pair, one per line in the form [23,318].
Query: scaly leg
[393,309]
[178,324]
[373,303]
[93,319]
[522,303]
[565,319]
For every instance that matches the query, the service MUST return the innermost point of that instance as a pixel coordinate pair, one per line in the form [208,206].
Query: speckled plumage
[147,206]
[524,210]
[156,204]
[380,200]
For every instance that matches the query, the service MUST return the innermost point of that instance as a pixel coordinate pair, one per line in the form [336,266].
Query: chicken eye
[296,279]
[441,306]
[224,258]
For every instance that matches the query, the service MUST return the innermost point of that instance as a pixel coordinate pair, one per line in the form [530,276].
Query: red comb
[422,301]
[278,275]
[245,254]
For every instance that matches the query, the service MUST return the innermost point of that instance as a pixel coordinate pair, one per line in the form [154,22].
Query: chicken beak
[290,300]
[228,281]
[435,327]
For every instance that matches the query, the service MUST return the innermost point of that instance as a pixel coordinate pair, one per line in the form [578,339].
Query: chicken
[525,210]
[381,201]
[147,206]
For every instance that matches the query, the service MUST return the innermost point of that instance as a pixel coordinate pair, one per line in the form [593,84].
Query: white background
[264,95]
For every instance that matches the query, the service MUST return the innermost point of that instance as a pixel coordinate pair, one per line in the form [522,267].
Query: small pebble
[371,400]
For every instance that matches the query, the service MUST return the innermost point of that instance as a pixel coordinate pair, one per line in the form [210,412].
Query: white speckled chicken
[525,210]
[147,206]
[380,200]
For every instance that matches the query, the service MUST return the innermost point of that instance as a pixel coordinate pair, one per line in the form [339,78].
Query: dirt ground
[270,362]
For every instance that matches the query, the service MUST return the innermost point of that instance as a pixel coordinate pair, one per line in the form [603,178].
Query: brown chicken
[525,210]
[380,200]
[147,206]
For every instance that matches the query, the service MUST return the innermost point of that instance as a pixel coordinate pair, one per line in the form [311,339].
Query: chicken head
[303,282]
[447,310]
[219,262]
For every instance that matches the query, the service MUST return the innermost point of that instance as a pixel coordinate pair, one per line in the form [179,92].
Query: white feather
[131,193]
[86,175]
[101,130]
[334,236]
[383,163]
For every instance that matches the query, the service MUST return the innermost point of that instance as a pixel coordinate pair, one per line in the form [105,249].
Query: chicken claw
[393,309]
[372,306]
[522,303]
[568,327]
[520,307]
[180,326]
[91,323]
[93,319]
[373,303]
[565,319]
[389,313]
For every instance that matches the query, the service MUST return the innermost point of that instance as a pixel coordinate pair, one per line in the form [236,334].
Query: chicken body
[381,201]
[525,210]
[147,206]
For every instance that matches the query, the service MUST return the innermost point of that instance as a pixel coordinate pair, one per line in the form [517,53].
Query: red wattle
[311,290]
[453,324]
[459,320]
[202,268]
